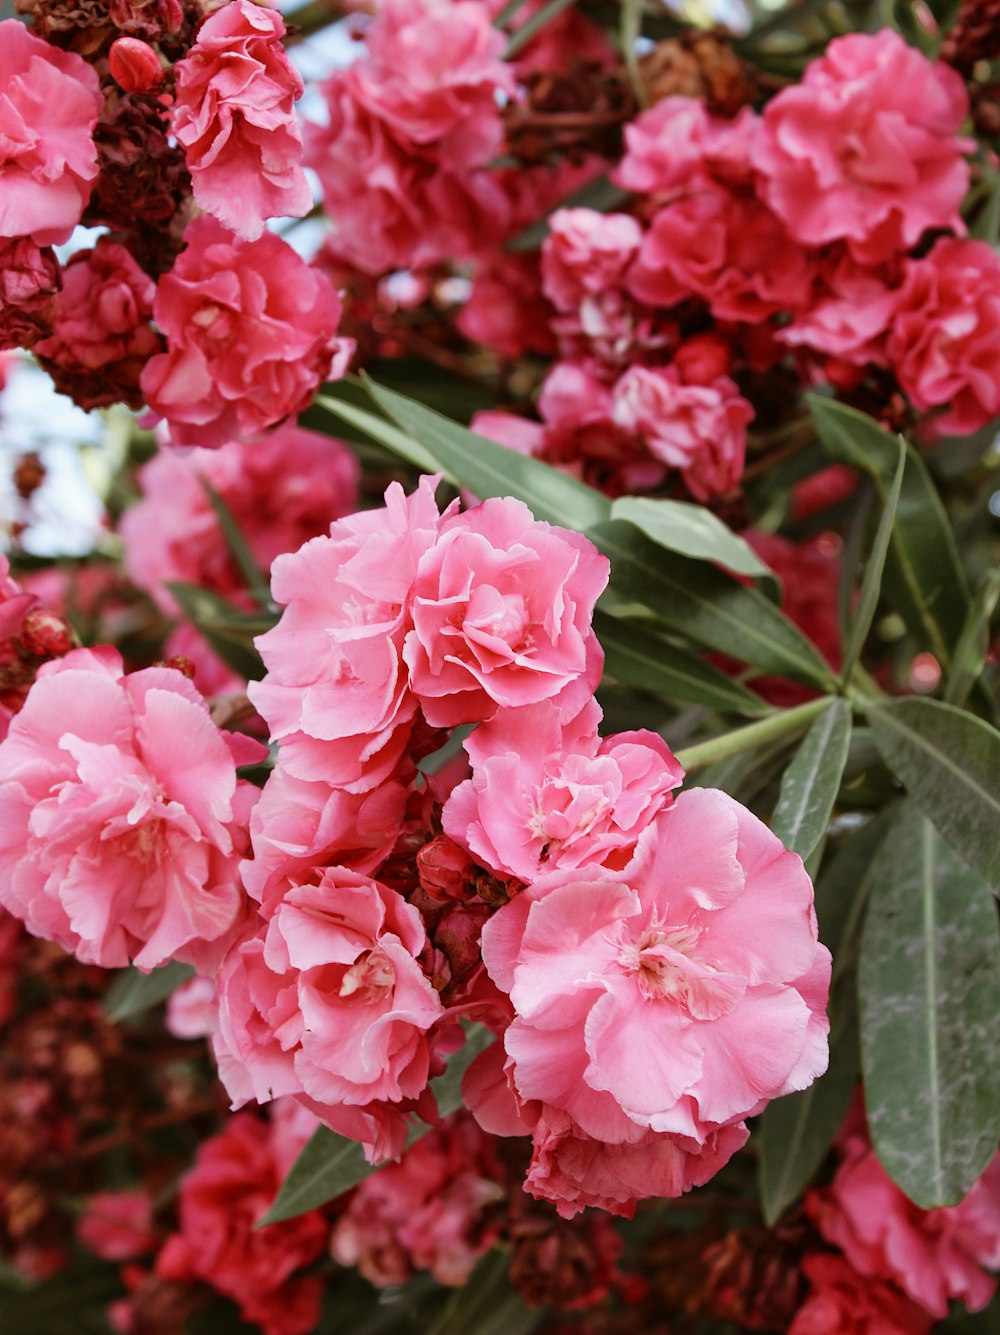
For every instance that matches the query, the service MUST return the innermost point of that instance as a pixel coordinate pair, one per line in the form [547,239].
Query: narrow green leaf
[227,629]
[949,762]
[923,576]
[535,24]
[637,657]
[987,224]
[871,584]
[489,469]
[708,606]
[239,549]
[133,992]
[811,782]
[629,32]
[929,989]
[382,431]
[330,1164]
[797,1131]
[487,1305]
[693,531]
[974,641]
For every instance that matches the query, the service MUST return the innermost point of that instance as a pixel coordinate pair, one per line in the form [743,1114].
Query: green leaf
[73,1302]
[708,606]
[923,578]
[987,224]
[535,24]
[871,584]
[486,1304]
[488,469]
[797,1131]
[949,762]
[384,432]
[694,531]
[637,657]
[330,1164]
[133,992]
[228,630]
[929,989]
[811,782]
[239,549]
[629,32]
[974,641]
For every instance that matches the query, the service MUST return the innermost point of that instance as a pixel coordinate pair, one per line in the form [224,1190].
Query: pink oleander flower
[433,73]
[933,1256]
[726,247]
[547,794]
[506,310]
[117,1225]
[678,139]
[866,148]
[842,1301]
[300,824]
[234,116]
[251,333]
[119,814]
[430,1211]
[102,337]
[575,1171]
[30,279]
[502,606]
[944,346]
[337,695]
[192,1009]
[393,205]
[678,995]
[699,429]
[850,313]
[231,1186]
[328,1003]
[282,491]
[587,253]
[49,104]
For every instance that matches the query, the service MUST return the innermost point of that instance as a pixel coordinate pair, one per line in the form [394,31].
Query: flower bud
[444,869]
[134,65]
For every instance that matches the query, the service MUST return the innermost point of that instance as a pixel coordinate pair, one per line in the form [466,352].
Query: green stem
[783,724]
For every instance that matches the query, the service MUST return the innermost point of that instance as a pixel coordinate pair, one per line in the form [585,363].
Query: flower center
[659,958]
[370,976]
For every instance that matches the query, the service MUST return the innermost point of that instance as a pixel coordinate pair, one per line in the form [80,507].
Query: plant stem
[783,724]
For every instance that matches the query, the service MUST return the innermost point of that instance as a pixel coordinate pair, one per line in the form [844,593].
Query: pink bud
[134,65]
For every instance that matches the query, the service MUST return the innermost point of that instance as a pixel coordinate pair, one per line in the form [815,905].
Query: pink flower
[49,104]
[677,139]
[850,314]
[117,1225]
[433,73]
[574,1170]
[502,606]
[192,1008]
[945,341]
[698,429]
[932,1255]
[281,491]
[235,1178]
[234,117]
[336,695]
[393,205]
[298,825]
[429,1211]
[586,253]
[506,310]
[251,332]
[546,793]
[109,783]
[725,246]
[866,148]
[102,336]
[678,995]
[842,1301]
[29,283]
